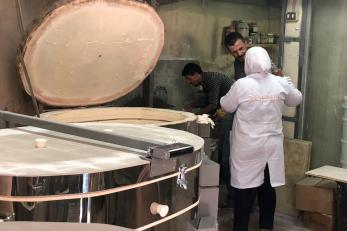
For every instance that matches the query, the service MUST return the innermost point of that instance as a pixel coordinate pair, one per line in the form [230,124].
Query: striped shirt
[215,85]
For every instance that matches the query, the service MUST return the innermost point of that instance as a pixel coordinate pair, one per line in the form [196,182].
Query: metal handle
[161,210]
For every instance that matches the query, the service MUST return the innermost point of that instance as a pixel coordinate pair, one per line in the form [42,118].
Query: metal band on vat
[90,195]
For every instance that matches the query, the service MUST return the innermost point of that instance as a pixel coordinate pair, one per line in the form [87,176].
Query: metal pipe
[304,61]
[27,78]
[20,18]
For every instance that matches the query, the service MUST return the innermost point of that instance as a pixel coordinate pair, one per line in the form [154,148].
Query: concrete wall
[12,96]
[193,28]
[327,82]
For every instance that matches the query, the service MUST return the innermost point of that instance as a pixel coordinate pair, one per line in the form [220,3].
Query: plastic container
[264,39]
[270,37]
[255,38]
[253,27]
[243,28]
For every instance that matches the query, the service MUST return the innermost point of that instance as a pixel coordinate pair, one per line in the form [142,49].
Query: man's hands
[188,108]
[278,72]
[220,114]
[209,109]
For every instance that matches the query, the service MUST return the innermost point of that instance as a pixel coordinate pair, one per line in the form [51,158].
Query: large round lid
[89,52]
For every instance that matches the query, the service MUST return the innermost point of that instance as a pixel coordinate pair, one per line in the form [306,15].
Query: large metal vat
[131,115]
[75,179]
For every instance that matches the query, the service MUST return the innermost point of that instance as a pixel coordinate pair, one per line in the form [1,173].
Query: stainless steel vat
[80,180]
[83,180]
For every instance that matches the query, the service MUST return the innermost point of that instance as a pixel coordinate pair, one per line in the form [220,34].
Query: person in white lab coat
[256,156]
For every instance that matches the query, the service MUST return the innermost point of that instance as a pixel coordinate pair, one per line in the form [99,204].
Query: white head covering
[257,60]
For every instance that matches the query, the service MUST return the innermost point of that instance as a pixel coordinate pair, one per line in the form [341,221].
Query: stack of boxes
[208,189]
[208,186]
[316,198]
[204,131]
[208,192]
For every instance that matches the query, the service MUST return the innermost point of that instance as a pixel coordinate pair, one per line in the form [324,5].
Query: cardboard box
[208,205]
[204,130]
[203,224]
[211,148]
[315,195]
[209,173]
[207,147]
[319,222]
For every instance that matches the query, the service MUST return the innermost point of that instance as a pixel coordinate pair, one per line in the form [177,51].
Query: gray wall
[193,28]
[193,31]
[12,96]
[327,81]
[167,75]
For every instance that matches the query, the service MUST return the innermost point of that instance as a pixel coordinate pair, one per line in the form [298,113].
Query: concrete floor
[282,223]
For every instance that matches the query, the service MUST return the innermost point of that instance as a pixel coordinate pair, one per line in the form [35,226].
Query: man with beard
[237,47]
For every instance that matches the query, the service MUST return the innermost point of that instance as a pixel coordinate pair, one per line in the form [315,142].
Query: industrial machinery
[85,53]
[126,175]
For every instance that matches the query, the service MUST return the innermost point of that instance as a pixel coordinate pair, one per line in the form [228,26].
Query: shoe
[7,218]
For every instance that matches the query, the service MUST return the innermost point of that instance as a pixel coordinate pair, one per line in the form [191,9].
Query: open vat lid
[88,52]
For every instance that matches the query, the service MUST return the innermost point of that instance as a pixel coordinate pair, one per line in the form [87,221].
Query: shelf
[170,58]
[264,45]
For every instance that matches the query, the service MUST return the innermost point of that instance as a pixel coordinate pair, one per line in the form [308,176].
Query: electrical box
[291,16]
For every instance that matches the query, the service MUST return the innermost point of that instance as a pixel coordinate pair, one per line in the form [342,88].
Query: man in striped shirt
[215,85]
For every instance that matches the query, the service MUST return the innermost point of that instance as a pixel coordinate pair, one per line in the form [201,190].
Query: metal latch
[38,186]
[163,157]
[181,178]
[168,151]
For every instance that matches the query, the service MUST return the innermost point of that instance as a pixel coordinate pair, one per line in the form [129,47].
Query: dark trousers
[244,201]
[224,153]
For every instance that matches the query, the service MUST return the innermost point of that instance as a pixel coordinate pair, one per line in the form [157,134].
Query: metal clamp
[168,151]
[181,178]
[38,186]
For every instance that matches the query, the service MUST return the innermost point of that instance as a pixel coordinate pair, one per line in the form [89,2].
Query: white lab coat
[257,137]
